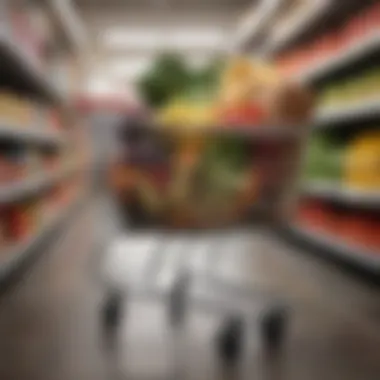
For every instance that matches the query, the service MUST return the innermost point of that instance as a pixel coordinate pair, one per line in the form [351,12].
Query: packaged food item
[359,27]
[354,90]
[324,160]
[356,230]
[361,170]
[19,223]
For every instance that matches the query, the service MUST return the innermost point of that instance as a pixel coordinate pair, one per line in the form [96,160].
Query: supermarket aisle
[49,324]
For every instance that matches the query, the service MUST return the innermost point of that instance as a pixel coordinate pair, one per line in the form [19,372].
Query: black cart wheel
[178,299]
[273,327]
[112,310]
[229,343]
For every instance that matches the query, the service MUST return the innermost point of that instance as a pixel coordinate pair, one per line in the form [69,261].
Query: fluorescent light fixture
[128,67]
[132,38]
[100,86]
[195,38]
[165,38]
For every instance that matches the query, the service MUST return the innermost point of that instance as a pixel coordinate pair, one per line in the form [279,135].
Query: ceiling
[125,35]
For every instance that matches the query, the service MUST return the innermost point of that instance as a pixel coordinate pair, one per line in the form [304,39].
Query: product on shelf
[363,25]
[19,222]
[324,160]
[362,170]
[16,111]
[353,90]
[52,161]
[13,163]
[354,228]
[313,213]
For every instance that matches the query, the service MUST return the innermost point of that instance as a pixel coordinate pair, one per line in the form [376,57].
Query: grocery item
[324,160]
[353,90]
[361,170]
[357,229]
[248,93]
[16,111]
[363,25]
[289,104]
[314,214]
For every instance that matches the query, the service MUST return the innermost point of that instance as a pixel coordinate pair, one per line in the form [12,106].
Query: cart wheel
[178,299]
[229,340]
[273,327]
[112,311]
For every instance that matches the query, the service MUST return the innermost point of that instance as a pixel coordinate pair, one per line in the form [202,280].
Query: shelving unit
[357,256]
[32,135]
[68,24]
[29,81]
[18,255]
[22,75]
[339,194]
[358,54]
[27,187]
[356,51]
[333,116]
[309,14]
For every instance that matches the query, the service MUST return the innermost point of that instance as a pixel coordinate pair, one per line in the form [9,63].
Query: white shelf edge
[356,110]
[30,134]
[328,190]
[295,25]
[356,255]
[341,59]
[19,189]
[18,253]
[68,21]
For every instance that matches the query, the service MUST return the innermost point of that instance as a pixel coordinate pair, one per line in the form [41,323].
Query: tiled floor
[50,327]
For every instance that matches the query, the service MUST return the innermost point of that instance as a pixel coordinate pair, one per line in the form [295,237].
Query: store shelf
[254,21]
[28,134]
[343,195]
[352,112]
[357,256]
[341,60]
[69,25]
[18,255]
[19,72]
[297,23]
[24,188]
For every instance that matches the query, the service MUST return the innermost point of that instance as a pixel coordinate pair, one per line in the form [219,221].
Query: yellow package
[362,169]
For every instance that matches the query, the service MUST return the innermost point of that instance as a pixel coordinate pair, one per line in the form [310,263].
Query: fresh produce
[243,92]
[168,78]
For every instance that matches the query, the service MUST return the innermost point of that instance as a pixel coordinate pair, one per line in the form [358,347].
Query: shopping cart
[192,273]
[184,271]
